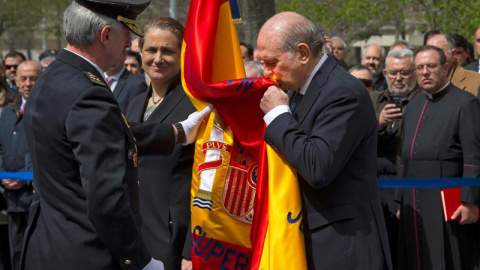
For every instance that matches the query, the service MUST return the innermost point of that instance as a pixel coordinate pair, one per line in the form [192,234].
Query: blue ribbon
[24,176]
[429,183]
[382,183]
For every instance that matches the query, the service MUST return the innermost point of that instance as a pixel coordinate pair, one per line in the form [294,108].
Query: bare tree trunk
[254,13]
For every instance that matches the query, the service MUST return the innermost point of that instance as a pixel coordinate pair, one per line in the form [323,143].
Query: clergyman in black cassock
[441,139]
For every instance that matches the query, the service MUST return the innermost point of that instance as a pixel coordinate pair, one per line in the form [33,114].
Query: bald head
[26,76]
[441,41]
[288,29]
[373,57]
[289,45]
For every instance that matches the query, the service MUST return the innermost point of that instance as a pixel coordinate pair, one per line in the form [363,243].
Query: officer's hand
[12,184]
[468,213]
[272,98]
[389,115]
[154,265]
[186,264]
[190,125]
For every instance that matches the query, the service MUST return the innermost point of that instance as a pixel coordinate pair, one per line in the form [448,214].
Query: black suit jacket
[331,142]
[473,66]
[165,183]
[85,212]
[128,87]
[14,156]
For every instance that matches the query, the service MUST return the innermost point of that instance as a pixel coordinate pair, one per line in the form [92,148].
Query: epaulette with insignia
[95,79]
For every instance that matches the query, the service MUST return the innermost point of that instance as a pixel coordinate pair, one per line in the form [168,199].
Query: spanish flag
[246,207]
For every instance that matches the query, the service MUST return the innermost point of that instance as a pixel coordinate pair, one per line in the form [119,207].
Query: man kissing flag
[246,207]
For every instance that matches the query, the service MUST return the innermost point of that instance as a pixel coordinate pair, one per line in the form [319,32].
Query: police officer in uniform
[84,213]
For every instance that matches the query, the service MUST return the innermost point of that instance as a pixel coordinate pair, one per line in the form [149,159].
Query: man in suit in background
[124,84]
[460,77]
[11,62]
[373,58]
[339,51]
[330,139]
[14,158]
[474,66]
[133,62]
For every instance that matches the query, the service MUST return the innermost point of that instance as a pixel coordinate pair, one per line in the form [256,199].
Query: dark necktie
[296,99]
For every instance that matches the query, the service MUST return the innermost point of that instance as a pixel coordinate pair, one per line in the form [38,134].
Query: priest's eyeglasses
[404,73]
[429,67]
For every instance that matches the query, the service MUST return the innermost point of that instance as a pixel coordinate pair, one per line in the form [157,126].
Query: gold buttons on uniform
[127,261]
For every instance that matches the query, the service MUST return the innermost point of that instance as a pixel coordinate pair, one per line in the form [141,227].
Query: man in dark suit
[474,66]
[330,139]
[461,78]
[124,85]
[12,60]
[85,211]
[14,144]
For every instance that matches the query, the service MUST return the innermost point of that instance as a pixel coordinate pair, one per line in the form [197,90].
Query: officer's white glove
[190,126]
[154,265]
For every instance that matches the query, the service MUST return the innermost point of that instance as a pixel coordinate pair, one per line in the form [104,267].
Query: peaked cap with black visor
[124,11]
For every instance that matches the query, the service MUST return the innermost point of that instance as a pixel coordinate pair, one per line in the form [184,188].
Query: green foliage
[360,19]
[22,17]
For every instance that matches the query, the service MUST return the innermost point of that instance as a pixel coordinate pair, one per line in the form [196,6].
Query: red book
[451,202]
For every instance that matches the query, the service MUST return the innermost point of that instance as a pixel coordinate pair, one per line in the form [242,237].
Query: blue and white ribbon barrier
[382,183]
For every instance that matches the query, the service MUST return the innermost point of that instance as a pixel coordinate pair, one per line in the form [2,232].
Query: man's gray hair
[338,38]
[303,31]
[401,53]
[82,25]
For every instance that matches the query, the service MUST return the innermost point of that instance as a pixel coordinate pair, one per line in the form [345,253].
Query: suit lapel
[138,107]
[172,99]
[121,83]
[314,89]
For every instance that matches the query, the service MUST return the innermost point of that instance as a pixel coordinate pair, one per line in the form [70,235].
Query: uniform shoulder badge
[95,79]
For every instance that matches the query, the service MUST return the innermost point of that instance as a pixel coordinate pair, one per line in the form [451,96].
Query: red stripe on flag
[260,212]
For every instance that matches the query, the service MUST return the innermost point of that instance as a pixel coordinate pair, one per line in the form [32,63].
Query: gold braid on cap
[130,23]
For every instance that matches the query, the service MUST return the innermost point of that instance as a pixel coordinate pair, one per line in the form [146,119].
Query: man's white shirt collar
[304,88]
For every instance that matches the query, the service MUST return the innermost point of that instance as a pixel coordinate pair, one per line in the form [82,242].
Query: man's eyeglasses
[477,40]
[11,66]
[403,73]
[367,82]
[429,67]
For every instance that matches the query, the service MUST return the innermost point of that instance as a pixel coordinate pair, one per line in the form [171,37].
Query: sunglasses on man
[11,66]
[367,82]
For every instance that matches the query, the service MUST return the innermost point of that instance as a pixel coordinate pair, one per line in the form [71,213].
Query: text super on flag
[227,170]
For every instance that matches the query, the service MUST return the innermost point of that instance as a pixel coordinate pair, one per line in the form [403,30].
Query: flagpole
[173,9]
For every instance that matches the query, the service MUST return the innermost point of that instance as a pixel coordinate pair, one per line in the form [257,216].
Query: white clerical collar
[322,60]
[92,63]
[430,96]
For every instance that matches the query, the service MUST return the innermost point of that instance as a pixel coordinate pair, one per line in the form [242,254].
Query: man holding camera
[400,76]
